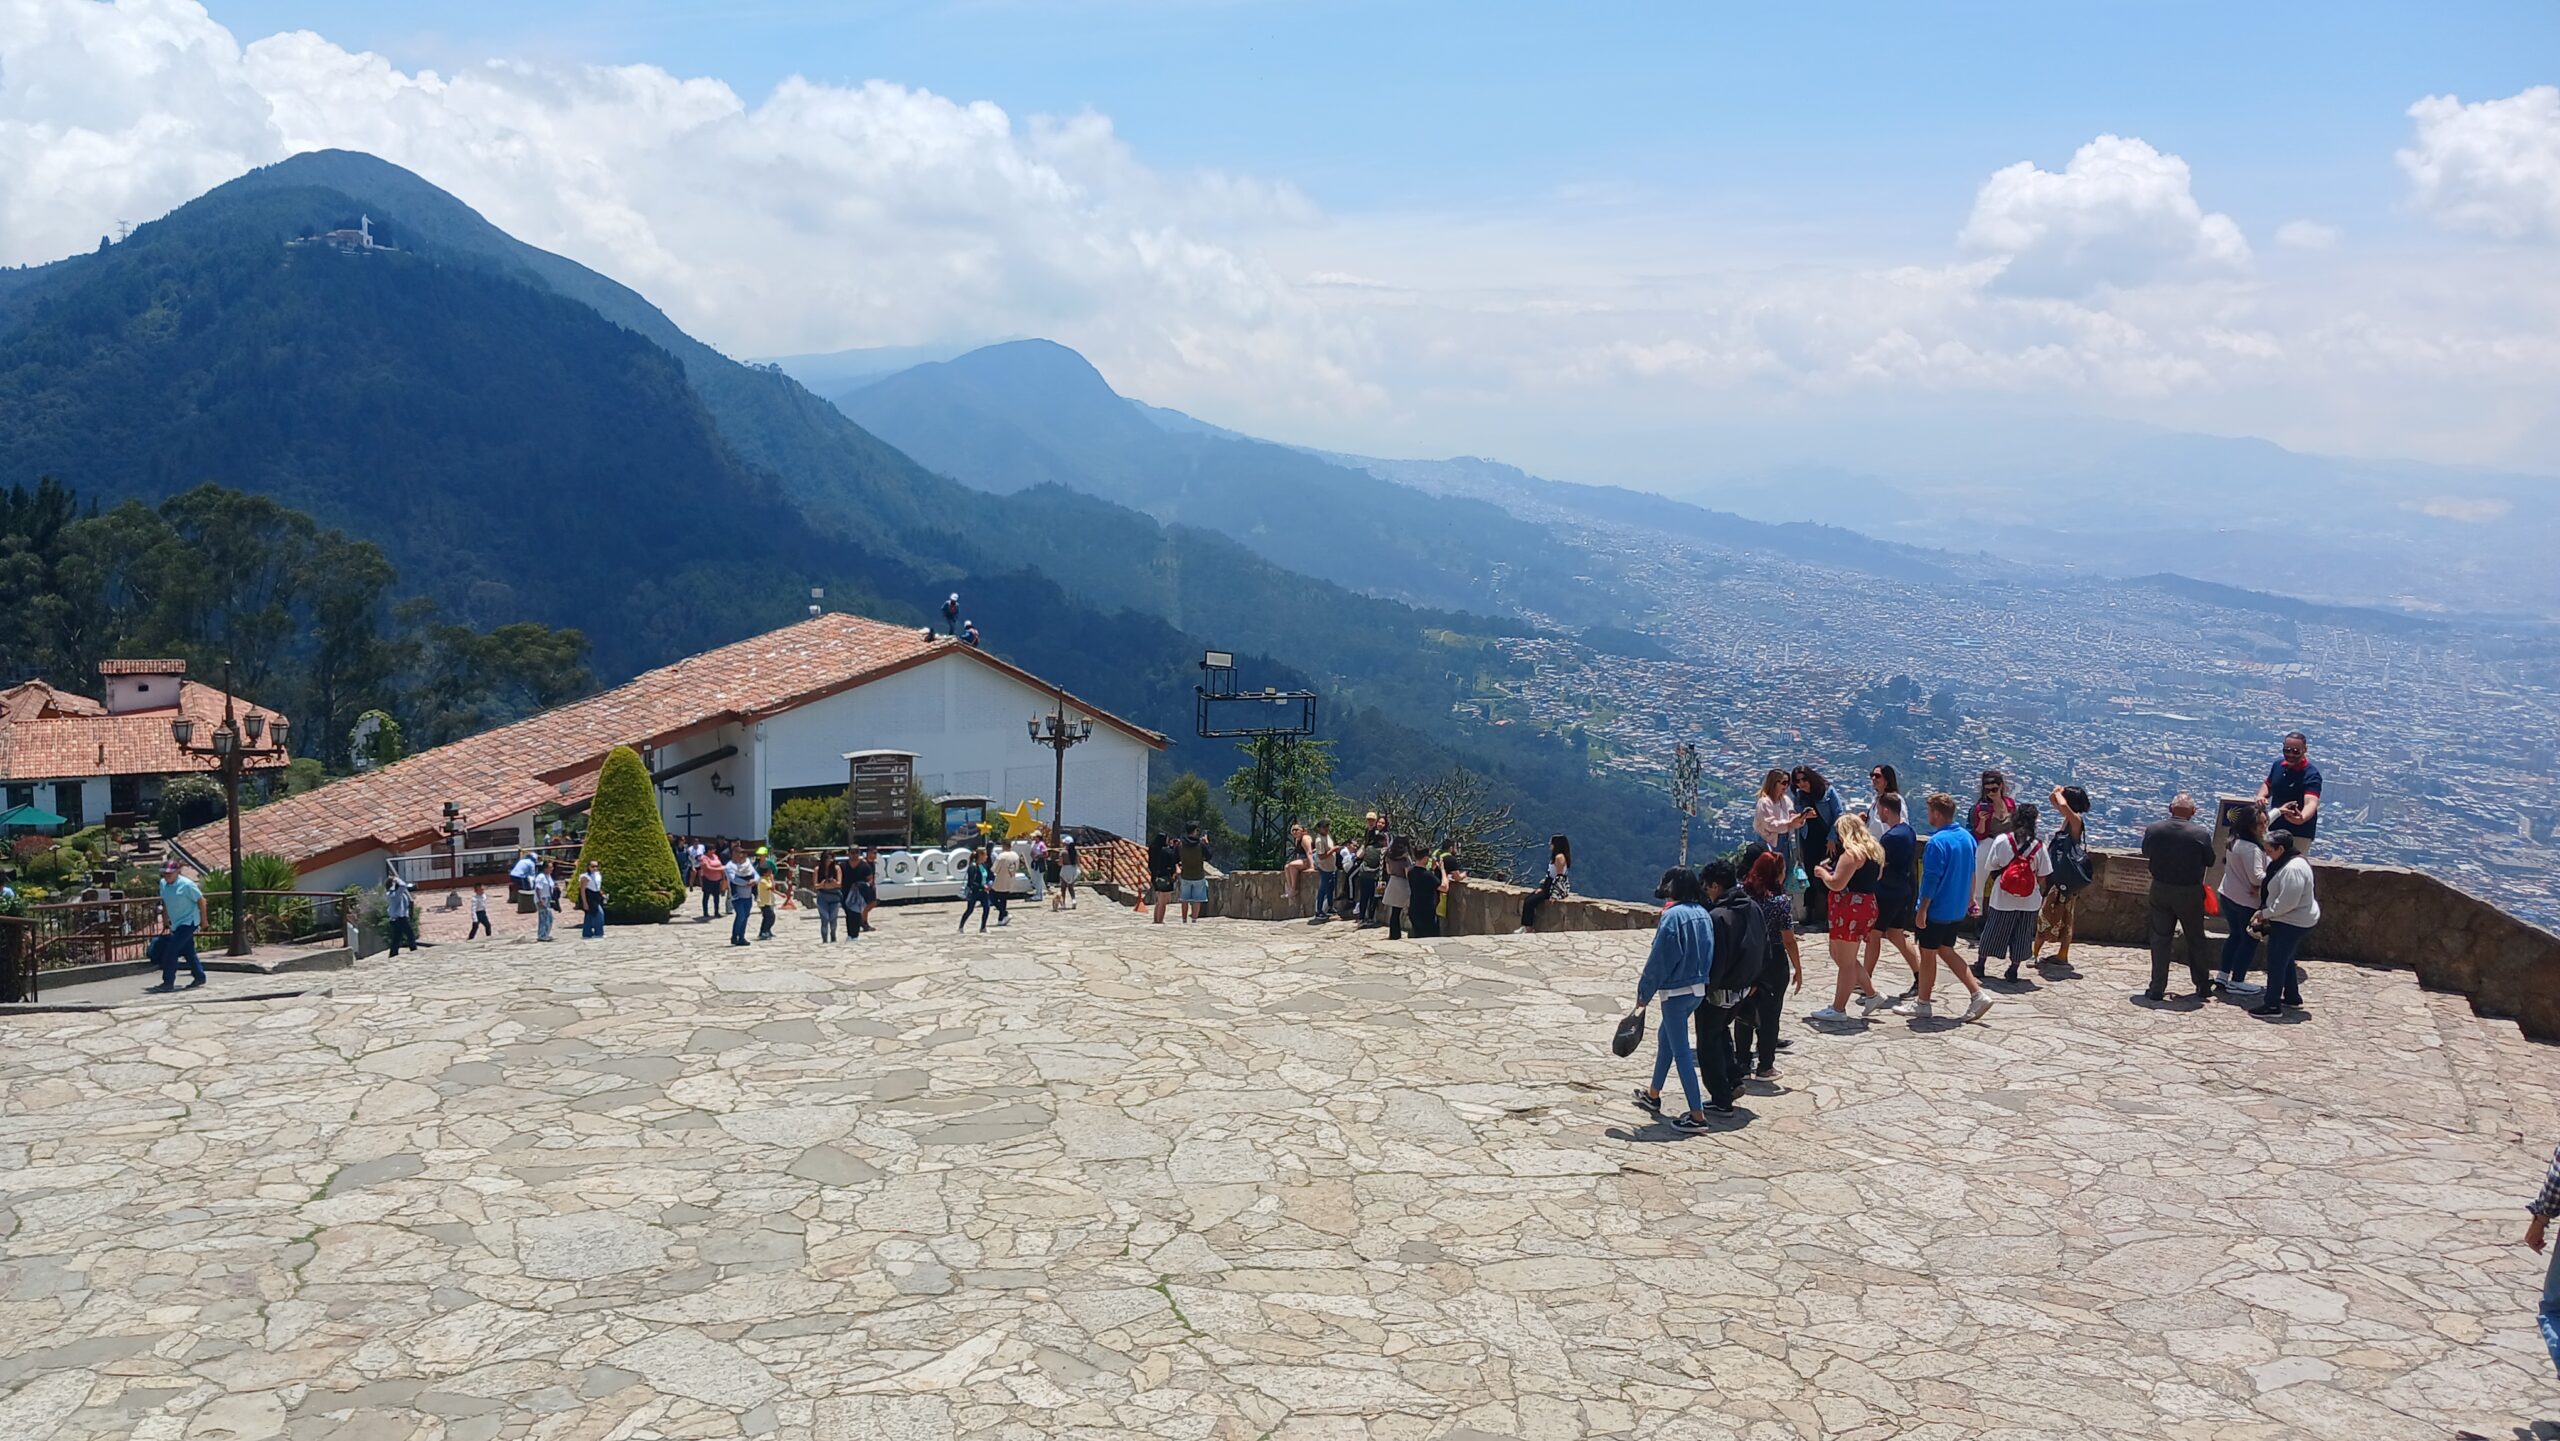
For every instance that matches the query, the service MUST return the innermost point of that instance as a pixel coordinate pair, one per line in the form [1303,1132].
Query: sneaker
[2269,1009]
[1682,1122]
[1765,1073]
[2243,988]
[1646,1100]
[1829,1015]
[157,990]
[1916,1010]
[1719,1108]
[1981,1004]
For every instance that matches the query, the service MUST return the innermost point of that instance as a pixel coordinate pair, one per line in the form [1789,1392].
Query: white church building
[729,735]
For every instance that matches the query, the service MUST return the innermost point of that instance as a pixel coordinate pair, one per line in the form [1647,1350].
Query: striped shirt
[2547,1204]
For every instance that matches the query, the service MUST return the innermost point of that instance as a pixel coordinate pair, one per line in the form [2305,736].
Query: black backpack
[2069,857]
[1742,939]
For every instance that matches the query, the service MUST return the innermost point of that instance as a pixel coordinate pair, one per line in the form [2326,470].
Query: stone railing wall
[1476,908]
[2381,916]
[2372,915]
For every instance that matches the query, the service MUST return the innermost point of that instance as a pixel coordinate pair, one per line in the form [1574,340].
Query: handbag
[1630,1033]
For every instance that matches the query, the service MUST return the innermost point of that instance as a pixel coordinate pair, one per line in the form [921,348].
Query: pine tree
[626,838]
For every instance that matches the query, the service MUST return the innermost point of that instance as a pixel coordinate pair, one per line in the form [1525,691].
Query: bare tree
[1459,807]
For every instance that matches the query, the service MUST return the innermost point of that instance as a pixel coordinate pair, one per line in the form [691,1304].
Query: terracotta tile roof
[1111,858]
[58,740]
[554,756]
[142,667]
[28,700]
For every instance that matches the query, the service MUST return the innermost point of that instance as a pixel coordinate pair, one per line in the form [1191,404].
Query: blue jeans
[2238,948]
[1324,891]
[591,923]
[542,915]
[2551,1307]
[181,941]
[738,913]
[830,904]
[2284,973]
[1672,1046]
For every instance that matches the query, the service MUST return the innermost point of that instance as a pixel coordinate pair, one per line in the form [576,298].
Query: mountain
[1537,498]
[826,463]
[529,440]
[834,372]
[2121,499]
[1032,412]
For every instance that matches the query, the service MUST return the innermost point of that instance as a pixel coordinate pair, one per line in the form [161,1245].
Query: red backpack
[2018,878]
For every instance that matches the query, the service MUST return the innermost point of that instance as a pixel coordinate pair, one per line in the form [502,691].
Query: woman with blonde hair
[1850,878]
[1775,820]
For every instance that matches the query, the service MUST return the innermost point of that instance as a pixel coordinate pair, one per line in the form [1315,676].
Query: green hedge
[626,838]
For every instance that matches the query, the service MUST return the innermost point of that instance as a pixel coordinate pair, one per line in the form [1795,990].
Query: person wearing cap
[401,905]
[2179,851]
[183,901]
[951,612]
[2287,914]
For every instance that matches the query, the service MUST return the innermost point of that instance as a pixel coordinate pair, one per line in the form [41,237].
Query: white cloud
[2306,235]
[2121,213]
[2488,168]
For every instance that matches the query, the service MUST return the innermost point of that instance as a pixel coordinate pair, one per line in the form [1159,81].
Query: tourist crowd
[1863,877]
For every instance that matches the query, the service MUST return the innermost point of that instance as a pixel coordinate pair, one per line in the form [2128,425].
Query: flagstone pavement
[1086,1177]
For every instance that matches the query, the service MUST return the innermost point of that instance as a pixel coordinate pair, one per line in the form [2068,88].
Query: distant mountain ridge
[1033,412]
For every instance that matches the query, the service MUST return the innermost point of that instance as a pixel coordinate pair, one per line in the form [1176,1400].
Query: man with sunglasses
[2291,792]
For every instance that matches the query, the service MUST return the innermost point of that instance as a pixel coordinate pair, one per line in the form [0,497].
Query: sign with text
[876,808]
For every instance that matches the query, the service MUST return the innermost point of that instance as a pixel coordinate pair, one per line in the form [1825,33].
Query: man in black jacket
[1755,1021]
[1729,1018]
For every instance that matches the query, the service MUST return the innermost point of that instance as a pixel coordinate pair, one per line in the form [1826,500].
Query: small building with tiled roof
[730,734]
[89,760]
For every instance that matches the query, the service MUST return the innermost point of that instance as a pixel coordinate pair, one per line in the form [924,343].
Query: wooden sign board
[878,790]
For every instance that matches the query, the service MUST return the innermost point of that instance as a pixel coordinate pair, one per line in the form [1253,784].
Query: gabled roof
[554,756]
[50,734]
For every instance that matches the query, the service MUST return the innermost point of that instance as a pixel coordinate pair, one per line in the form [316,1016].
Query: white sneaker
[1981,1004]
[1868,1005]
[1917,1010]
[1828,1015]
[2243,988]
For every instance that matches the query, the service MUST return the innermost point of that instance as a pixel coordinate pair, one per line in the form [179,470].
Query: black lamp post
[231,759]
[1058,733]
[453,848]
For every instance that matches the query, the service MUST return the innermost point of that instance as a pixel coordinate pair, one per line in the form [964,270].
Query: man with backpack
[1749,981]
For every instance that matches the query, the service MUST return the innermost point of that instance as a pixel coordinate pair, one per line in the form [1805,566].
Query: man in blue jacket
[183,900]
[1684,952]
[1946,898]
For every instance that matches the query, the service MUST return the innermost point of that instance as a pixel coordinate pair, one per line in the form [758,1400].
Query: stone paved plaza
[1084,1177]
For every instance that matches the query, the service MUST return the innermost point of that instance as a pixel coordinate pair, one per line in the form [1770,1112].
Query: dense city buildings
[2437,739]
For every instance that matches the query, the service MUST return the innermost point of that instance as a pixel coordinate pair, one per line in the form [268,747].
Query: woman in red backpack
[2018,863]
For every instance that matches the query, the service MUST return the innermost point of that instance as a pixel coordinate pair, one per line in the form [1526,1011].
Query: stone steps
[2511,1083]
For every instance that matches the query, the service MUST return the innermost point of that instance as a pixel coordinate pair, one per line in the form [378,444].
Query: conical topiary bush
[626,838]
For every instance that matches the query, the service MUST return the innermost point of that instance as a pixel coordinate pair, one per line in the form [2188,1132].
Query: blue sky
[1871,114]
[1617,242]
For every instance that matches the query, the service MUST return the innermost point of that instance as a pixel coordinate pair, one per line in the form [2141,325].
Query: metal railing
[491,863]
[105,930]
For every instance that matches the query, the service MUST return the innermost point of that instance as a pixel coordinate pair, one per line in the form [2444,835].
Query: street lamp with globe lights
[1059,733]
[231,760]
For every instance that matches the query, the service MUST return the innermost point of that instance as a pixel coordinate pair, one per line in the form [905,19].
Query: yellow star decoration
[1020,823]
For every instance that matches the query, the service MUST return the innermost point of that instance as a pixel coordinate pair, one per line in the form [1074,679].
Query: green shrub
[806,824]
[189,801]
[626,838]
[271,918]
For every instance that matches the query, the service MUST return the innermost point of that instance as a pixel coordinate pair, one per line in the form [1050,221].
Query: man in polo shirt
[183,900]
[2291,792]
[1945,899]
